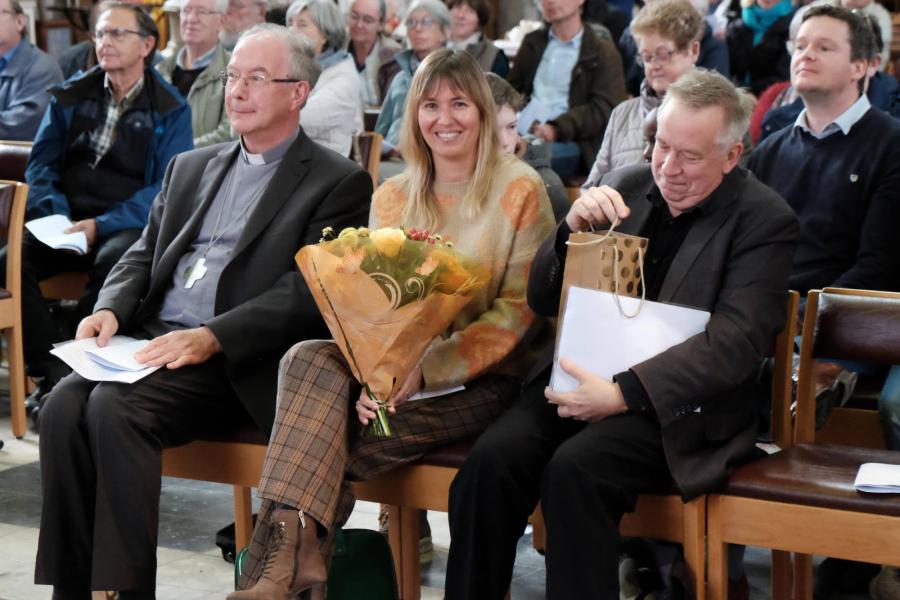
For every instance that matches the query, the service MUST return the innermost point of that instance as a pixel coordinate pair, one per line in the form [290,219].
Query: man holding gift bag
[718,241]
[212,282]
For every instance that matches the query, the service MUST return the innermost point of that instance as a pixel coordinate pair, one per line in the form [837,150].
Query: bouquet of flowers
[385,294]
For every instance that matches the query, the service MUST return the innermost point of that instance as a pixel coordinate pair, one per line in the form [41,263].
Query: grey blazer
[735,263]
[23,92]
[262,303]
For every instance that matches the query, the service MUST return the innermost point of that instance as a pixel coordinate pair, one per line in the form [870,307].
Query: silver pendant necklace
[196,271]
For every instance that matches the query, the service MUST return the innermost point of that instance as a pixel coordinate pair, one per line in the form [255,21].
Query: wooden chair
[573,193]
[802,499]
[667,517]
[13,160]
[367,152]
[12,219]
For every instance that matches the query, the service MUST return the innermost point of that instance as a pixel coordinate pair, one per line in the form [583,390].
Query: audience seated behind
[428,25]
[470,17]
[334,112]
[241,16]
[577,93]
[27,74]
[713,54]
[493,343]
[372,51]
[534,152]
[217,290]
[780,105]
[196,67]
[757,44]
[101,168]
[666,33]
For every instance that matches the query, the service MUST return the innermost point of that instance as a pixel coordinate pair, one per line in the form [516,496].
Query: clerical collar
[270,155]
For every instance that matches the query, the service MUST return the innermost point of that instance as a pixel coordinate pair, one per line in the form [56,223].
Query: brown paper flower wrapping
[384,321]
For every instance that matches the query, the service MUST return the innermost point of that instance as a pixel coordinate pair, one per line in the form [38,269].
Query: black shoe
[51,374]
[837,577]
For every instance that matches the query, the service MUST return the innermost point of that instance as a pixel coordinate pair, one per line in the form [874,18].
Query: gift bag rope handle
[602,239]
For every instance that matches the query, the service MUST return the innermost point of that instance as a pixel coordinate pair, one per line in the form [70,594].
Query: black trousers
[587,475]
[100,449]
[40,262]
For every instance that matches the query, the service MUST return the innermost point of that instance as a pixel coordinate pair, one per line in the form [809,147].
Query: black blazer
[262,303]
[735,263]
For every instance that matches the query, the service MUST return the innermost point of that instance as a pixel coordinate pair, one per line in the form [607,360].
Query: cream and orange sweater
[496,332]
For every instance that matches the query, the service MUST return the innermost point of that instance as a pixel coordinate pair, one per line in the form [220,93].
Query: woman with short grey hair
[333,112]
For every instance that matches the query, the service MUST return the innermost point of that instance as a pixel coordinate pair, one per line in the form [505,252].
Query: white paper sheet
[878,478]
[435,393]
[598,338]
[49,230]
[116,359]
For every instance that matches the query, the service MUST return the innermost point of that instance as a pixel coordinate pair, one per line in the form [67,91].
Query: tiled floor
[190,565]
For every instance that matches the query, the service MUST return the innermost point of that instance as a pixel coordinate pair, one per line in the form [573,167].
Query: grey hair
[698,89]
[382,10]
[16,7]
[327,17]
[302,63]
[437,9]
[220,6]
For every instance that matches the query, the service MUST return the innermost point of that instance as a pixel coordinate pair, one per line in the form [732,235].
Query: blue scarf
[759,19]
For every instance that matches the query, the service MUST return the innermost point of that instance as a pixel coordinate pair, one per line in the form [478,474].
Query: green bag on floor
[361,567]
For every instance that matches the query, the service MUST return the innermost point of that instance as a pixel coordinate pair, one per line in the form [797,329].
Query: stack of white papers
[596,336]
[113,362]
[50,230]
[878,478]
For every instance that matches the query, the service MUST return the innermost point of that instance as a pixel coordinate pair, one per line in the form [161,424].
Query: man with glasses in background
[98,158]
[213,284]
[25,75]
[372,51]
[196,66]
[241,16]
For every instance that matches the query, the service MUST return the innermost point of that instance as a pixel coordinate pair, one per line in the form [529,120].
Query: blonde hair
[675,20]
[460,71]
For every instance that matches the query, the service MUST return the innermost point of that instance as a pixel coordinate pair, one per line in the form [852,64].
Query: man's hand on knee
[103,324]
[180,348]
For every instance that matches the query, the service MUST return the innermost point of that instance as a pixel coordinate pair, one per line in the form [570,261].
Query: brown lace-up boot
[293,561]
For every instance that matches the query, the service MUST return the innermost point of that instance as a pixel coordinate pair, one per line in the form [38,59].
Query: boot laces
[276,540]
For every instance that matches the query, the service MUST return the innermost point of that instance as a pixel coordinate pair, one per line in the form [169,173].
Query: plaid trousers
[316,448]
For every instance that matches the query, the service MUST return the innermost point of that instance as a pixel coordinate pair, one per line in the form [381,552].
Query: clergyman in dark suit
[212,282]
[719,241]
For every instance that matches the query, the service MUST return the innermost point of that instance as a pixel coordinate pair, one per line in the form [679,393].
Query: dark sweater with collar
[845,190]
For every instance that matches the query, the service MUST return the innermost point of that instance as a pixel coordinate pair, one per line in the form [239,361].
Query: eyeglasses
[255,80]
[6,11]
[198,12]
[116,34]
[367,19]
[660,57]
[424,23]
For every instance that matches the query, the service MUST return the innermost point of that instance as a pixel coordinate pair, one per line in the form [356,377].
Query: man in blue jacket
[25,75]
[99,158]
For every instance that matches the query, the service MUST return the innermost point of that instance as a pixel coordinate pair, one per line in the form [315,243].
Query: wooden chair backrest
[367,152]
[13,195]
[843,324]
[14,159]
[782,427]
